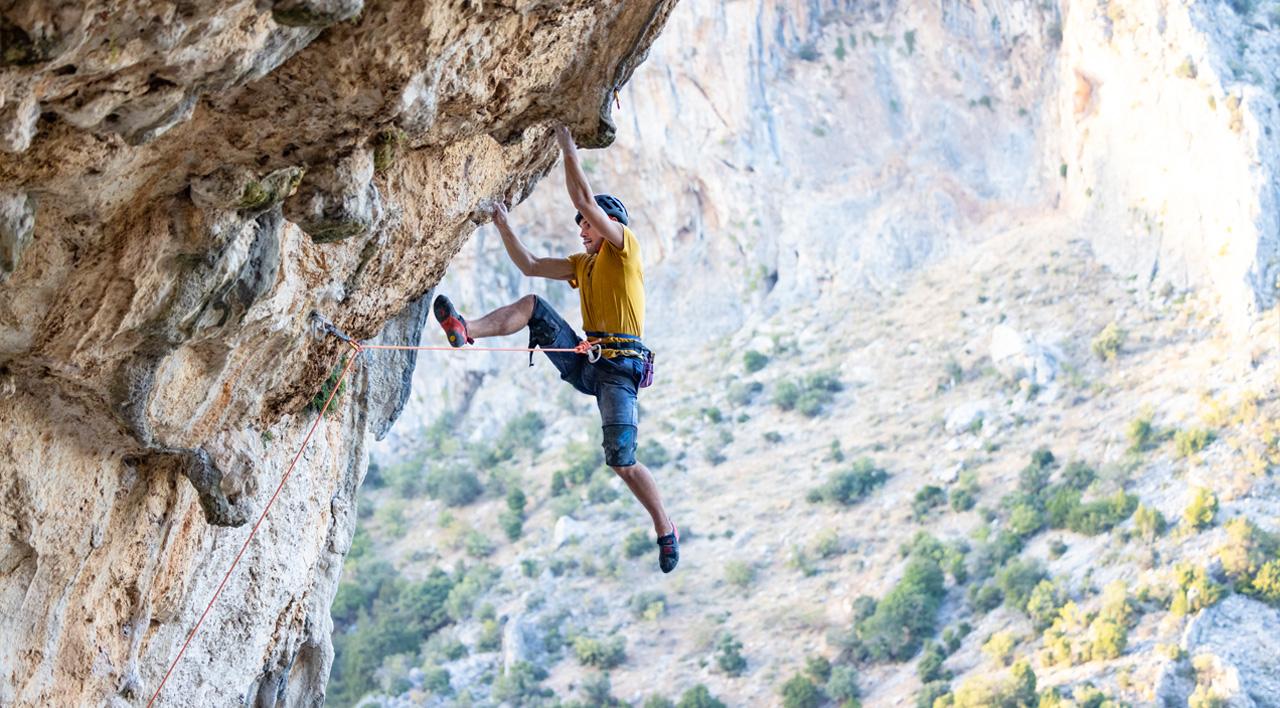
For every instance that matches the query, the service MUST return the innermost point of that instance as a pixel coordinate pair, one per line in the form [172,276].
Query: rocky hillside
[181,185]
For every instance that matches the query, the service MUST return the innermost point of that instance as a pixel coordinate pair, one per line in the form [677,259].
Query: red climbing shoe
[454,326]
[669,550]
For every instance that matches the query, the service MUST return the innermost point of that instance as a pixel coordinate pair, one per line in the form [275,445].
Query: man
[609,277]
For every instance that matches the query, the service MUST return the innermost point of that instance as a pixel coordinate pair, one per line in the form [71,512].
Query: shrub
[1205,697]
[516,500]
[930,668]
[1109,640]
[1033,478]
[930,693]
[1195,590]
[843,684]
[818,668]
[962,499]
[699,697]
[557,484]
[799,692]
[405,613]
[462,597]
[1045,601]
[728,658]
[636,544]
[1192,441]
[391,516]
[327,388]
[1025,519]
[1101,516]
[403,477]
[1202,509]
[810,403]
[583,460]
[740,392]
[1057,547]
[512,524]
[1248,548]
[1000,647]
[1149,522]
[827,544]
[785,394]
[906,615]
[597,689]
[1264,586]
[738,573]
[479,545]
[658,701]
[926,499]
[850,484]
[754,360]
[454,485]
[1140,433]
[490,638]
[773,436]
[825,380]
[642,601]
[603,654]
[1107,345]
[652,454]
[524,432]
[1017,581]
[985,598]
[436,680]
[600,491]
[1078,475]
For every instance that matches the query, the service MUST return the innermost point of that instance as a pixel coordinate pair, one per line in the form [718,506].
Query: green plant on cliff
[327,388]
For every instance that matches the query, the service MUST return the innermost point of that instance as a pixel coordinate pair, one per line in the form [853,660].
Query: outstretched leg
[507,319]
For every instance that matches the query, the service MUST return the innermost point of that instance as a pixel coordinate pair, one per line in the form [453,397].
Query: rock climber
[609,278]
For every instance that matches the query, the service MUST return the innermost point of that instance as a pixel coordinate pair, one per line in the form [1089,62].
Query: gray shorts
[613,382]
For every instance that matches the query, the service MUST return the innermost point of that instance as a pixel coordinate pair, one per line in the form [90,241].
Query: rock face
[181,185]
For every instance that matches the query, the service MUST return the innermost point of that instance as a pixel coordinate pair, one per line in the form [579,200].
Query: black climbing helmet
[612,206]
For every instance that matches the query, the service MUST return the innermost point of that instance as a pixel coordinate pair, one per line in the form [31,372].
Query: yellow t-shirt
[611,287]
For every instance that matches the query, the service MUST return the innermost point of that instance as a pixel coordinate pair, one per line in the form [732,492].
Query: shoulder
[630,245]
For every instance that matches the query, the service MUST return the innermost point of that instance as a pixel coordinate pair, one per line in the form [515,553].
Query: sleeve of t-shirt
[575,260]
[630,246]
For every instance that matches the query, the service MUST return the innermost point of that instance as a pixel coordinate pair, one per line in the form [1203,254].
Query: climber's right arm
[529,264]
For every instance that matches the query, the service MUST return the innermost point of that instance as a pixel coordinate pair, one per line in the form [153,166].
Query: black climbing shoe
[669,550]
[454,326]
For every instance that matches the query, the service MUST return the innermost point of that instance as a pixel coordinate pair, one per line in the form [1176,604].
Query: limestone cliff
[181,184]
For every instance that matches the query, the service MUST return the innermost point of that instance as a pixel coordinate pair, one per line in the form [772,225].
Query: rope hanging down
[319,327]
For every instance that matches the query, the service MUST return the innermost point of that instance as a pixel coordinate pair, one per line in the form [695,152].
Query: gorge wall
[182,183]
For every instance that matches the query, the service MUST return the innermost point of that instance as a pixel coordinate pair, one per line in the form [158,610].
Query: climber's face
[591,240]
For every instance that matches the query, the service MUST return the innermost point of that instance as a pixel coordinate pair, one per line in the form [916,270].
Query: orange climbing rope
[591,349]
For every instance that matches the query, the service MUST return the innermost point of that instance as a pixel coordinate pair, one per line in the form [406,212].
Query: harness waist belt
[619,344]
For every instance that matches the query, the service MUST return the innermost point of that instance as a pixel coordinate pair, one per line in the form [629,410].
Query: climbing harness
[628,345]
[318,326]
